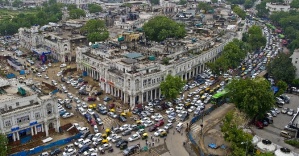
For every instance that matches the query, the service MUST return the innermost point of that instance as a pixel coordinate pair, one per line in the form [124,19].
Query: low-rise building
[295,61]
[25,114]
[277,7]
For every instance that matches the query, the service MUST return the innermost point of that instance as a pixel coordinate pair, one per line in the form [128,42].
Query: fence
[49,146]
[194,145]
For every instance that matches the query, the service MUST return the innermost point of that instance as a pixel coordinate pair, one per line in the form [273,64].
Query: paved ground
[272,132]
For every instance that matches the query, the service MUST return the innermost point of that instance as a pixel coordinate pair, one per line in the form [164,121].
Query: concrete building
[295,61]
[57,41]
[27,115]
[135,77]
[277,7]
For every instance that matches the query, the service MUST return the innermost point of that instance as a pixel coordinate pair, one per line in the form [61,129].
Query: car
[67,115]
[131,150]
[95,129]
[158,132]
[91,99]
[160,123]
[78,142]
[63,65]
[39,75]
[291,112]
[152,128]
[273,113]
[124,127]
[56,151]
[121,142]
[69,152]
[105,147]
[276,110]
[169,110]
[168,126]
[116,138]
[134,137]
[112,115]
[46,77]
[126,132]
[148,123]
[89,151]
[90,111]
[156,115]
[284,110]
[259,124]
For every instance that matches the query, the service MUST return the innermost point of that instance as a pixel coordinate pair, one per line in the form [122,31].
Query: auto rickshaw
[123,114]
[105,141]
[202,92]
[203,98]
[108,131]
[112,110]
[144,136]
[138,122]
[207,90]
[163,134]
[212,91]
[217,87]
[104,136]
[92,106]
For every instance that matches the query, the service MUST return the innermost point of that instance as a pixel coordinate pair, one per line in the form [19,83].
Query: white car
[63,65]
[49,64]
[158,132]
[90,111]
[134,137]
[124,127]
[168,126]
[91,150]
[69,152]
[39,74]
[191,109]
[148,123]
[95,129]
[159,118]
[155,115]
[46,77]
[96,136]
[145,119]
[169,110]
[105,146]
[67,115]
[78,142]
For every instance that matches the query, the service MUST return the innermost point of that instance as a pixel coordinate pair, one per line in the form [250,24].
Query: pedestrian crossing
[109,122]
[195,128]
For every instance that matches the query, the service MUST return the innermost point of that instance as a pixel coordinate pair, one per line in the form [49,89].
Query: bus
[219,97]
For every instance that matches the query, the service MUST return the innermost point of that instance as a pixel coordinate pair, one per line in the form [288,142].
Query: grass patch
[294,143]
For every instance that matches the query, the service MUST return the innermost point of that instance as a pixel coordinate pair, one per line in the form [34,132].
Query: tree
[155,2]
[281,68]
[240,141]
[172,86]
[256,38]
[248,4]
[95,30]
[241,13]
[17,3]
[282,87]
[204,6]
[71,7]
[182,2]
[294,4]
[214,1]
[3,145]
[262,10]
[161,27]
[253,97]
[77,13]
[93,8]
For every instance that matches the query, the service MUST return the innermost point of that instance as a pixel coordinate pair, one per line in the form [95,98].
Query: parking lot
[272,131]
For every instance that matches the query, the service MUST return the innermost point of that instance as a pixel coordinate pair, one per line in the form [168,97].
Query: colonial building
[24,114]
[135,76]
[57,41]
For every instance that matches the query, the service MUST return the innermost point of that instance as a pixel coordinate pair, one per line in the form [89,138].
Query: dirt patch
[215,136]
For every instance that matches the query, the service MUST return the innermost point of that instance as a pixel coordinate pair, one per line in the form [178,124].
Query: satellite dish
[90,44]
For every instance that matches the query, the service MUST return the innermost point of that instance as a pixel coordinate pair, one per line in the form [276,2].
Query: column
[151,94]
[32,132]
[35,129]
[14,136]
[47,129]
[142,94]
[125,97]
[146,96]
[42,125]
[18,136]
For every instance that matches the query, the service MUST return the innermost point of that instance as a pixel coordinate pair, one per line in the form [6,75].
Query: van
[285,134]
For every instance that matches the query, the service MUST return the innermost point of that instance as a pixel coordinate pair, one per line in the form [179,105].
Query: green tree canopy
[282,87]
[204,6]
[281,68]
[95,30]
[77,13]
[93,8]
[231,56]
[256,38]
[214,1]
[17,3]
[155,2]
[172,86]
[240,141]
[262,10]
[248,4]
[236,1]
[161,27]
[253,97]
[71,7]
[240,12]
[294,4]
[183,2]
[3,145]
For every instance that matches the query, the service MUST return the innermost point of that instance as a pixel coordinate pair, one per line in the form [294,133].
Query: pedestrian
[153,143]
[103,127]
[158,140]
[182,133]
[173,132]
[164,139]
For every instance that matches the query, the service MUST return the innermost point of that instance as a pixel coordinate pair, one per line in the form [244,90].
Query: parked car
[259,124]
[290,112]
[284,110]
